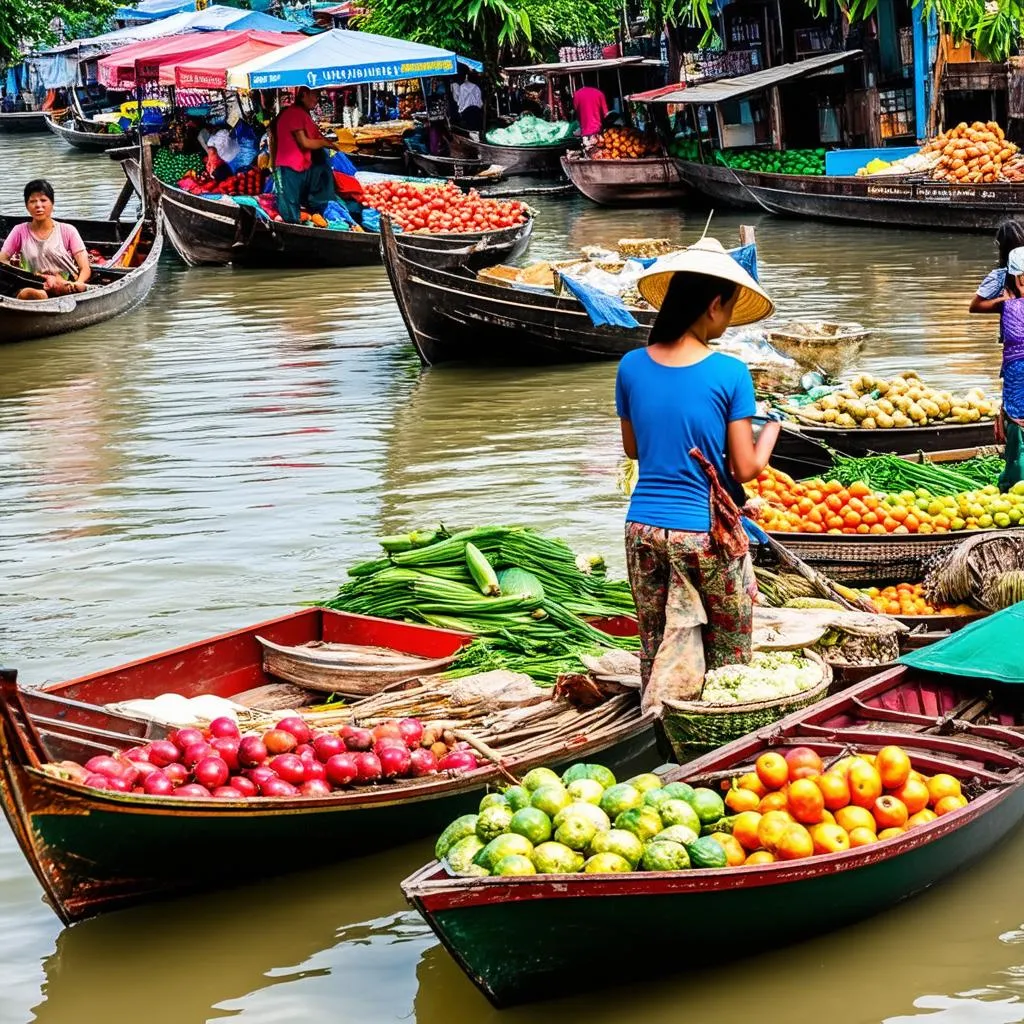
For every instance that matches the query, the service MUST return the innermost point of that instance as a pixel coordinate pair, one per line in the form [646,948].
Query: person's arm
[12,245]
[990,295]
[84,270]
[306,142]
[622,408]
[747,459]
[981,305]
[629,439]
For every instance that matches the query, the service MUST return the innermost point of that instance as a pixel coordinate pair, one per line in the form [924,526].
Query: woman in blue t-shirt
[694,599]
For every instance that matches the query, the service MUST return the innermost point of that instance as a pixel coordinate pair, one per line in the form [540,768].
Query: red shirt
[288,152]
[591,108]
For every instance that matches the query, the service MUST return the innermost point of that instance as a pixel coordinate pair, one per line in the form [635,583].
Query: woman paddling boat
[686,415]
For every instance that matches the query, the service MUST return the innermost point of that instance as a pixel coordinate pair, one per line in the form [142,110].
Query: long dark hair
[686,301]
[1009,236]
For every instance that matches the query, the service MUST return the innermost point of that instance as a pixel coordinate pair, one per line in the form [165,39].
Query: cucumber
[482,571]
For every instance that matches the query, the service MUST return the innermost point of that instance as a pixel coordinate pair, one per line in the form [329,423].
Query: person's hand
[51,282]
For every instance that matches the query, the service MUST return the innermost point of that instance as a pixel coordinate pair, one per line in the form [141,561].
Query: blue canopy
[341,57]
[152,10]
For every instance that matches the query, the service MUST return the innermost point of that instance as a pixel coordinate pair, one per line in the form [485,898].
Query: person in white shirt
[470,102]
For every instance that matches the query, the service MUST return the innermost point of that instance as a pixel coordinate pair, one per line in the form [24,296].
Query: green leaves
[28,23]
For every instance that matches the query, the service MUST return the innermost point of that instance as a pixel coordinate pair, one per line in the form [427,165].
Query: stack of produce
[889,473]
[769,675]
[433,209]
[526,596]
[769,161]
[971,153]
[906,401]
[787,808]
[916,163]
[171,167]
[819,506]
[244,183]
[684,149]
[910,599]
[290,760]
[624,144]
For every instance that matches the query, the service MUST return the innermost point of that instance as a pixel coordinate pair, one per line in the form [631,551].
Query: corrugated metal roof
[579,65]
[744,85]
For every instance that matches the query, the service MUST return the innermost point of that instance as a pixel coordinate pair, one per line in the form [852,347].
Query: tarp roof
[211,71]
[572,67]
[340,57]
[733,88]
[153,10]
[118,70]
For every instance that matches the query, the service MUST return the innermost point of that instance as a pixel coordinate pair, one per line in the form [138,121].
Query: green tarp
[532,131]
[991,648]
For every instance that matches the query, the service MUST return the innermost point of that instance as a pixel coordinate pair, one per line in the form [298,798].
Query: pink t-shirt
[591,108]
[54,254]
[288,152]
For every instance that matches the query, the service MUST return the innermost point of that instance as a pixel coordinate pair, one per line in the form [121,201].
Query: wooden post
[151,193]
[746,234]
[775,117]
[127,191]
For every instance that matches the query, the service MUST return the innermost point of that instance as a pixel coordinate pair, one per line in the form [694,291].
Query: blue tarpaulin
[153,10]
[602,308]
[341,57]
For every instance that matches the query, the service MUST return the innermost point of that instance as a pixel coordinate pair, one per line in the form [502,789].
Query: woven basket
[694,727]
[869,559]
[830,346]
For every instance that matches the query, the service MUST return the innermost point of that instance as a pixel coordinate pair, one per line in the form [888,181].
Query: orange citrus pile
[791,807]
[623,144]
[909,599]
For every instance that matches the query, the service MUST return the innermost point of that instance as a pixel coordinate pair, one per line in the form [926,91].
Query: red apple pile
[290,760]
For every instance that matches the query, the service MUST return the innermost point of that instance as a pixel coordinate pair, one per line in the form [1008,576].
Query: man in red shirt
[591,109]
[302,172]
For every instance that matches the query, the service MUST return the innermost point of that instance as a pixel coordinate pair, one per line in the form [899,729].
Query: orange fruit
[744,828]
[777,801]
[772,770]
[770,828]
[795,843]
[835,790]
[859,489]
[749,780]
[949,803]
[862,836]
[913,794]
[761,857]
[890,833]
[865,783]
[889,812]
[830,839]
[805,801]
[735,855]
[893,766]
[942,785]
[741,800]
[921,818]
[855,817]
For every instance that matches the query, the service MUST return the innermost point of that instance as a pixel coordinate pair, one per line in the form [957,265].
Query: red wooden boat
[95,850]
[525,938]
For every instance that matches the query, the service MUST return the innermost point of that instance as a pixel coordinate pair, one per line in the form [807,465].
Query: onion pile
[289,760]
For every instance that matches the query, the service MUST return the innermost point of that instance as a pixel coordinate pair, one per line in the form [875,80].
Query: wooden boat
[527,938]
[23,121]
[649,179]
[804,450]
[95,850]
[888,201]
[464,172]
[84,135]
[207,231]
[542,161]
[113,290]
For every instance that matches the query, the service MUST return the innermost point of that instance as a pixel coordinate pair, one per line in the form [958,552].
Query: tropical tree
[27,23]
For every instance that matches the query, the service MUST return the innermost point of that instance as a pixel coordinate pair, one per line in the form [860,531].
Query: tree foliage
[28,23]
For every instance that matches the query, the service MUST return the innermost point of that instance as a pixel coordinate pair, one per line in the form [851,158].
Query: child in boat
[46,247]
[1011,327]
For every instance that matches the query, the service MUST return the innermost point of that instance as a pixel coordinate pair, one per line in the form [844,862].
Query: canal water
[220,454]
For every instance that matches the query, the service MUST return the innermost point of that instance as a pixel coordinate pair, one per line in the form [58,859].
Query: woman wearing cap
[686,415]
[47,247]
[1010,424]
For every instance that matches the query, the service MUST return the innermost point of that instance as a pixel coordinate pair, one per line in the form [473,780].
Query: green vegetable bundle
[172,167]
[891,474]
[527,597]
[768,161]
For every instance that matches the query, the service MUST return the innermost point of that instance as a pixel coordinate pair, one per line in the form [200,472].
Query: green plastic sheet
[991,648]
[532,131]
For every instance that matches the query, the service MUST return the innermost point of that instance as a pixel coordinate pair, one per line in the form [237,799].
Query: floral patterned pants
[694,609]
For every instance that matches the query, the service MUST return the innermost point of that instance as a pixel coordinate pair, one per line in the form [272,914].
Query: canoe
[114,291]
[542,161]
[207,231]
[651,179]
[891,201]
[803,450]
[528,938]
[464,172]
[95,851]
[74,131]
[22,121]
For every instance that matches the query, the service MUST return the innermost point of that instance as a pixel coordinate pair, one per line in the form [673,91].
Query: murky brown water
[223,452]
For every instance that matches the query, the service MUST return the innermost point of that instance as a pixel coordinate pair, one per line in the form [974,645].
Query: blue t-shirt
[673,409]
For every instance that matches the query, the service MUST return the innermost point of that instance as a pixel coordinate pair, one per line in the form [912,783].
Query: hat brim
[752,304]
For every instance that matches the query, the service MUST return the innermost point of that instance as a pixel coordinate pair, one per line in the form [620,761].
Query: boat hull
[518,951]
[542,161]
[87,142]
[612,182]
[800,452]
[23,121]
[22,320]
[872,201]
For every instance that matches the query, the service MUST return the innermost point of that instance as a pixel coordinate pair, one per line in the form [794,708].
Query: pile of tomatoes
[434,209]
[244,183]
[790,807]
